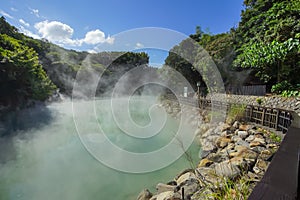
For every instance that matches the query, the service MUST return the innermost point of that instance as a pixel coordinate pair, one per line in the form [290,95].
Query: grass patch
[228,189]
[275,138]
[236,112]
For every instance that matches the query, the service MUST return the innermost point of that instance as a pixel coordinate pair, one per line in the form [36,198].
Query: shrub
[290,93]
[280,87]
[236,112]
[259,101]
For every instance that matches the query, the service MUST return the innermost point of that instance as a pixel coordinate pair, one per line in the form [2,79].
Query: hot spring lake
[44,158]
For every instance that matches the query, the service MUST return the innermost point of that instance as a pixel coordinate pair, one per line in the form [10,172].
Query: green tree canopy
[22,77]
[268,40]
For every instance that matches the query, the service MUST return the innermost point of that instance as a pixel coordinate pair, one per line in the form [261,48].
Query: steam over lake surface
[46,159]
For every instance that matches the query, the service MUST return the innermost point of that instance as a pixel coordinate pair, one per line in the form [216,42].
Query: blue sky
[84,25]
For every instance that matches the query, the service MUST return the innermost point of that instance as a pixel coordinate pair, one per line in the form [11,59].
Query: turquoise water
[50,162]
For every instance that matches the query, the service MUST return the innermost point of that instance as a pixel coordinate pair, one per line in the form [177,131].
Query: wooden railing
[275,118]
[270,117]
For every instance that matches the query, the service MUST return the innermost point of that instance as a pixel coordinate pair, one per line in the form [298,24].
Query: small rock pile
[229,152]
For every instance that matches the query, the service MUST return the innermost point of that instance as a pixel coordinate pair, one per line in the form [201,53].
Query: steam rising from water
[57,160]
[50,161]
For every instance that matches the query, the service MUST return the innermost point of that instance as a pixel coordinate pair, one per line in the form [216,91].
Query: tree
[22,77]
[267,40]
[270,60]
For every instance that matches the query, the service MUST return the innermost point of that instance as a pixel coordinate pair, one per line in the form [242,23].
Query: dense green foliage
[32,69]
[268,40]
[264,48]
[218,48]
[22,77]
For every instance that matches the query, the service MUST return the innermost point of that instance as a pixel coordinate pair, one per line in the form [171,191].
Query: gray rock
[250,138]
[212,138]
[265,154]
[168,195]
[186,177]
[260,166]
[242,134]
[204,193]
[242,143]
[204,154]
[235,138]
[252,131]
[225,133]
[226,169]
[260,140]
[161,187]
[144,195]
[208,146]
[222,142]
[225,127]
[258,149]
[189,189]
[217,157]
[236,125]
[207,175]
[184,172]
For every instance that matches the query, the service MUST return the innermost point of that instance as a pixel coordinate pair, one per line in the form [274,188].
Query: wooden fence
[277,119]
[270,117]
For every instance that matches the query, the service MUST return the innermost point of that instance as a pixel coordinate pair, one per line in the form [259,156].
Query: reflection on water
[50,161]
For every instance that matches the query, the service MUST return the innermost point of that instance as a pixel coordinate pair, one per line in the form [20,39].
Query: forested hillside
[263,49]
[33,69]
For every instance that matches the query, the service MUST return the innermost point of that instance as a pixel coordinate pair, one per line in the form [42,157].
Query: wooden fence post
[277,119]
[263,116]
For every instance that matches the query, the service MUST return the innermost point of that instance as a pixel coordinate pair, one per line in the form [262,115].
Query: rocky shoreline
[234,158]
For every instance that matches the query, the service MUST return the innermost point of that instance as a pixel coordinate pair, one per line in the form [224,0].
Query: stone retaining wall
[290,104]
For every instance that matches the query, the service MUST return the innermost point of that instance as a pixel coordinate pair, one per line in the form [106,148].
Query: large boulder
[227,169]
[207,175]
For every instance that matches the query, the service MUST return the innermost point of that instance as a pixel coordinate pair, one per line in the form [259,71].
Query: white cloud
[55,31]
[110,40]
[96,37]
[139,45]
[61,33]
[35,12]
[28,33]
[13,9]
[92,51]
[5,14]
[24,23]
